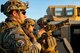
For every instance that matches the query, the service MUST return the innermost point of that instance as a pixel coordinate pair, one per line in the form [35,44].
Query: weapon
[47,40]
[52,26]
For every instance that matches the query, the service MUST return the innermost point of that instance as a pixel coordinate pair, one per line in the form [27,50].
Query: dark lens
[23,12]
[32,25]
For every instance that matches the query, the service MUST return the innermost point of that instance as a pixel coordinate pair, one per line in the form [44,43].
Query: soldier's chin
[21,22]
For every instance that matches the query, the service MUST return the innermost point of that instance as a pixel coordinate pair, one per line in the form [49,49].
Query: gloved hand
[38,45]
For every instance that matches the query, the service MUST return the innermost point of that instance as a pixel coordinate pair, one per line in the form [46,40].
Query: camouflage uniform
[30,34]
[48,43]
[50,37]
[29,22]
[12,37]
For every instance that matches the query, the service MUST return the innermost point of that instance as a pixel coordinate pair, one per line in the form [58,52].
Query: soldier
[28,28]
[48,27]
[48,42]
[12,38]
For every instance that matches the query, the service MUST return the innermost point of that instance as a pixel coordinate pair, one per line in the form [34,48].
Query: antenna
[27,4]
[0,8]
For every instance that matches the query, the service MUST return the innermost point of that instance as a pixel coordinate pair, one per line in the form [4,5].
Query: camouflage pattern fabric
[7,40]
[10,35]
[48,43]
[13,5]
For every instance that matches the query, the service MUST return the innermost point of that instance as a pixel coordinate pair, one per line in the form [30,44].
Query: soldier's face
[22,16]
[31,28]
[19,16]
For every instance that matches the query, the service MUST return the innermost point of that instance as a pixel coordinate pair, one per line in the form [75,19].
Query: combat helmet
[13,5]
[42,22]
[29,21]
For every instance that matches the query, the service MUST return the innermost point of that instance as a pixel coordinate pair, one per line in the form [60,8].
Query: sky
[37,8]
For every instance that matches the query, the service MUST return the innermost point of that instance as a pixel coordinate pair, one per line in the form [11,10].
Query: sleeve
[15,42]
[8,41]
[33,49]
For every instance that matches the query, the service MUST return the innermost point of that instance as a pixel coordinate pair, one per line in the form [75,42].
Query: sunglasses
[32,25]
[23,12]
